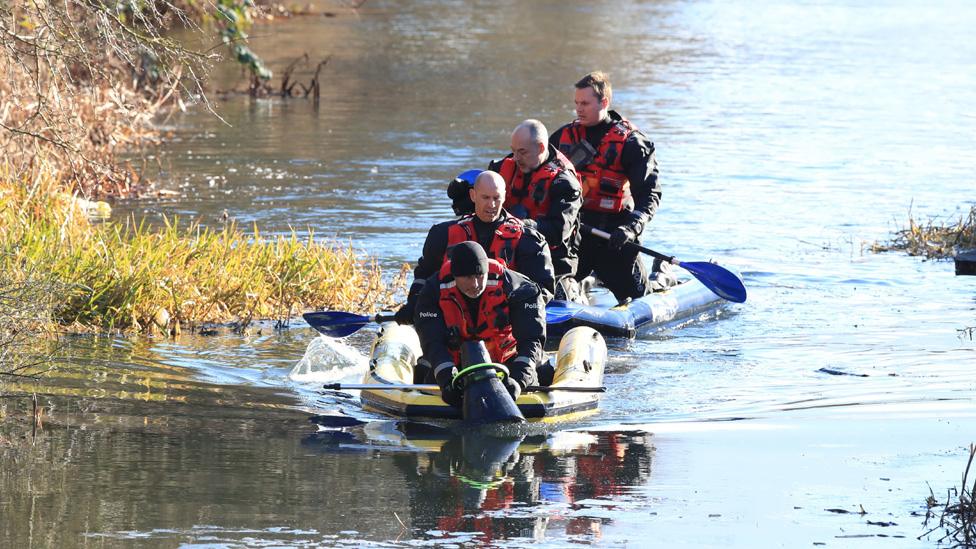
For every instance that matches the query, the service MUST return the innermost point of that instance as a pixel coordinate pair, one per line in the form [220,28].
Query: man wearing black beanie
[468,259]
[476,298]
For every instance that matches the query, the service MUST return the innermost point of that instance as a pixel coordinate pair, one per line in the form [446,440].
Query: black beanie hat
[468,258]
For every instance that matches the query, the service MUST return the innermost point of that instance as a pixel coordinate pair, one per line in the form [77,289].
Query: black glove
[404,316]
[449,394]
[530,223]
[521,374]
[621,237]
[513,387]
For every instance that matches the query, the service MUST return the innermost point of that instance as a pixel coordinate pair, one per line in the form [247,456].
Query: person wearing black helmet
[459,191]
[475,298]
[506,239]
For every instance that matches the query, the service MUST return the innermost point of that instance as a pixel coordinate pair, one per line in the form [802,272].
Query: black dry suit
[526,314]
[621,270]
[559,223]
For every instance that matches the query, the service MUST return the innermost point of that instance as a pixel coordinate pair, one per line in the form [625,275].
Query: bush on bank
[82,81]
[126,276]
[933,239]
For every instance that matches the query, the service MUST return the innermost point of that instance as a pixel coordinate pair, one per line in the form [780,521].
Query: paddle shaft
[606,236]
[379,318]
[428,387]
[721,281]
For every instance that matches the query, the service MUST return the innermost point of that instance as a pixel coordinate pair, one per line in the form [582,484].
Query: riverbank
[87,84]
[84,83]
[124,276]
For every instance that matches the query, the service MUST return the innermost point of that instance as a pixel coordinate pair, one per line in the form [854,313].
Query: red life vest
[490,323]
[503,243]
[533,195]
[606,188]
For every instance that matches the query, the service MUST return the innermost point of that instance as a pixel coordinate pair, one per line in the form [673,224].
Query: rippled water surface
[790,136]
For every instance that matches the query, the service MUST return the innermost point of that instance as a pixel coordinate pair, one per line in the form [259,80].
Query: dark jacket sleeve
[641,165]
[534,261]
[429,264]
[428,320]
[527,311]
[565,200]
[432,257]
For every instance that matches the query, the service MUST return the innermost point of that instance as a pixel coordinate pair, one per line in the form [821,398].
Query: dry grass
[129,277]
[82,82]
[933,239]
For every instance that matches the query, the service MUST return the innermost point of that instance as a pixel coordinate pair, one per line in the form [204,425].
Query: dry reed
[130,277]
[933,239]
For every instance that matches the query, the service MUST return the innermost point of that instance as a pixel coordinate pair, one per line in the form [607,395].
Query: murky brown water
[790,135]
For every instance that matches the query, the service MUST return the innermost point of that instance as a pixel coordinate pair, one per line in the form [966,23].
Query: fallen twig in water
[262,88]
[834,372]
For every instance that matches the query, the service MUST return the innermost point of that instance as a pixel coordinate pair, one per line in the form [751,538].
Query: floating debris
[966,263]
[933,239]
[833,372]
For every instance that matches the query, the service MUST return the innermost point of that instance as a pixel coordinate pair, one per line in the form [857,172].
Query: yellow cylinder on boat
[581,358]
[394,353]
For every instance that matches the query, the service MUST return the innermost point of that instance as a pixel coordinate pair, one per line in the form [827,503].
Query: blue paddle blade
[469,176]
[336,323]
[717,279]
[560,312]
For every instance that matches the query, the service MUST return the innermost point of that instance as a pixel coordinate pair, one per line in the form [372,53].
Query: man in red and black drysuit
[618,172]
[473,298]
[541,186]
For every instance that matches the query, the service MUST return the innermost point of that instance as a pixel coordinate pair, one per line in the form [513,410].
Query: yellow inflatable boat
[574,392]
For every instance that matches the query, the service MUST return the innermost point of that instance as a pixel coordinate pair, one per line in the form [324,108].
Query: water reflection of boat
[579,363]
[535,486]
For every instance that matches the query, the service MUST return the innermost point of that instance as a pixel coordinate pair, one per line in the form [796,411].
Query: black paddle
[715,277]
[341,323]
[418,387]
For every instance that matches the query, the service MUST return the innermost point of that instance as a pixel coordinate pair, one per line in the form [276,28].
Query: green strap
[480,484]
[502,370]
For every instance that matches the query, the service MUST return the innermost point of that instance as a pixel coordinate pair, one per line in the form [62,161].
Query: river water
[790,137]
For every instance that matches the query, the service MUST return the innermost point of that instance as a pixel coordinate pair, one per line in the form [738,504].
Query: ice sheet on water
[328,360]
